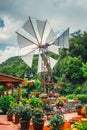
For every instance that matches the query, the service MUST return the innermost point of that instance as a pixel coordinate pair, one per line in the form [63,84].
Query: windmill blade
[41,27]
[48,35]
[63,40]
[41,65]
[28,26]
[28,58]
[53,49]
[52,62]
[23,41]
[23,35]
[51,36]
[28,49]
[49,62]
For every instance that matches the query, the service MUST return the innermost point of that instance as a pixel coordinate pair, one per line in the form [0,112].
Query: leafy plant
[56,120]
[79,106]
[59,102]
[25,112]
[10,110]
[5,102]
[80,126]
[36,102]
[1,88]
[38,115]
[43,95]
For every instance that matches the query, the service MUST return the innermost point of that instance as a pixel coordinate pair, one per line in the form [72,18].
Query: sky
[61,14]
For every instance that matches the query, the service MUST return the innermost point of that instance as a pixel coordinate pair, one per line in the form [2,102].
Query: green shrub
[80,126]
[1,88]
[5,102]
[71,96]
[81,97]
[36,102]
[24,93]
[24,101]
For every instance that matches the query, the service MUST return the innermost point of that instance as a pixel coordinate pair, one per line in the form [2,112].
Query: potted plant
[35,102]
[10,111]
[10,114]
[60,102]
[43,96]
[5,102]
[78,108]
[57,121]
[80,126]
[16,111]
[25,114]
[37,119]
[48,109]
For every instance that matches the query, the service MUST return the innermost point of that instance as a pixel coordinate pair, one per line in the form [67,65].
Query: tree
[70,68]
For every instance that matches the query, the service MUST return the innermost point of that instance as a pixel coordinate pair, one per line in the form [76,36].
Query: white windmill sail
[23,41]
[63,40]
[28,58]
[53,49]
[41,27]
[52,62]
[51,36]
[48,34]
[28,26]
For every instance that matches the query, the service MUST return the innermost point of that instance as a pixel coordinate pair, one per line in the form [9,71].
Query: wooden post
[3,94]
[19,92]
[7,92]
[12,91]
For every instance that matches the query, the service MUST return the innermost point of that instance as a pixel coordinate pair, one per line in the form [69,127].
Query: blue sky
[61,14]
[1,23]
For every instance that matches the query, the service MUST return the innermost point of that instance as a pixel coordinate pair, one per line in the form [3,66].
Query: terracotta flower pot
[79,111]
[17,118]
[24,125]
[38,126]
[9,117]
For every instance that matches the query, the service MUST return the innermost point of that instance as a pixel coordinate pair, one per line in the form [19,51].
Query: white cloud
[7,53]
[8,33]
[61,14]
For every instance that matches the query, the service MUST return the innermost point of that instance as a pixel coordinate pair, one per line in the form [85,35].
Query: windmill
[37,37]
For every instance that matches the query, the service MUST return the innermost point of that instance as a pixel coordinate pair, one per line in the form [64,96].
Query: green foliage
[81,97]
[71,66]
[43,95]
[15,66]
[38,115]
[71,96]
[24,101]
[1,88]
[11,110]
[56,120]
[84,88]
[5,102]
[79,106]
[80,126]
[84,69]
[25,112]
[36,102]
[32,85]
[24,93]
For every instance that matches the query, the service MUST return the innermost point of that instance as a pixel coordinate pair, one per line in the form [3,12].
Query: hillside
[13,66]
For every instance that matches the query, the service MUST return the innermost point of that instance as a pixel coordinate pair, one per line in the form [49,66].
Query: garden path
[7,125]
